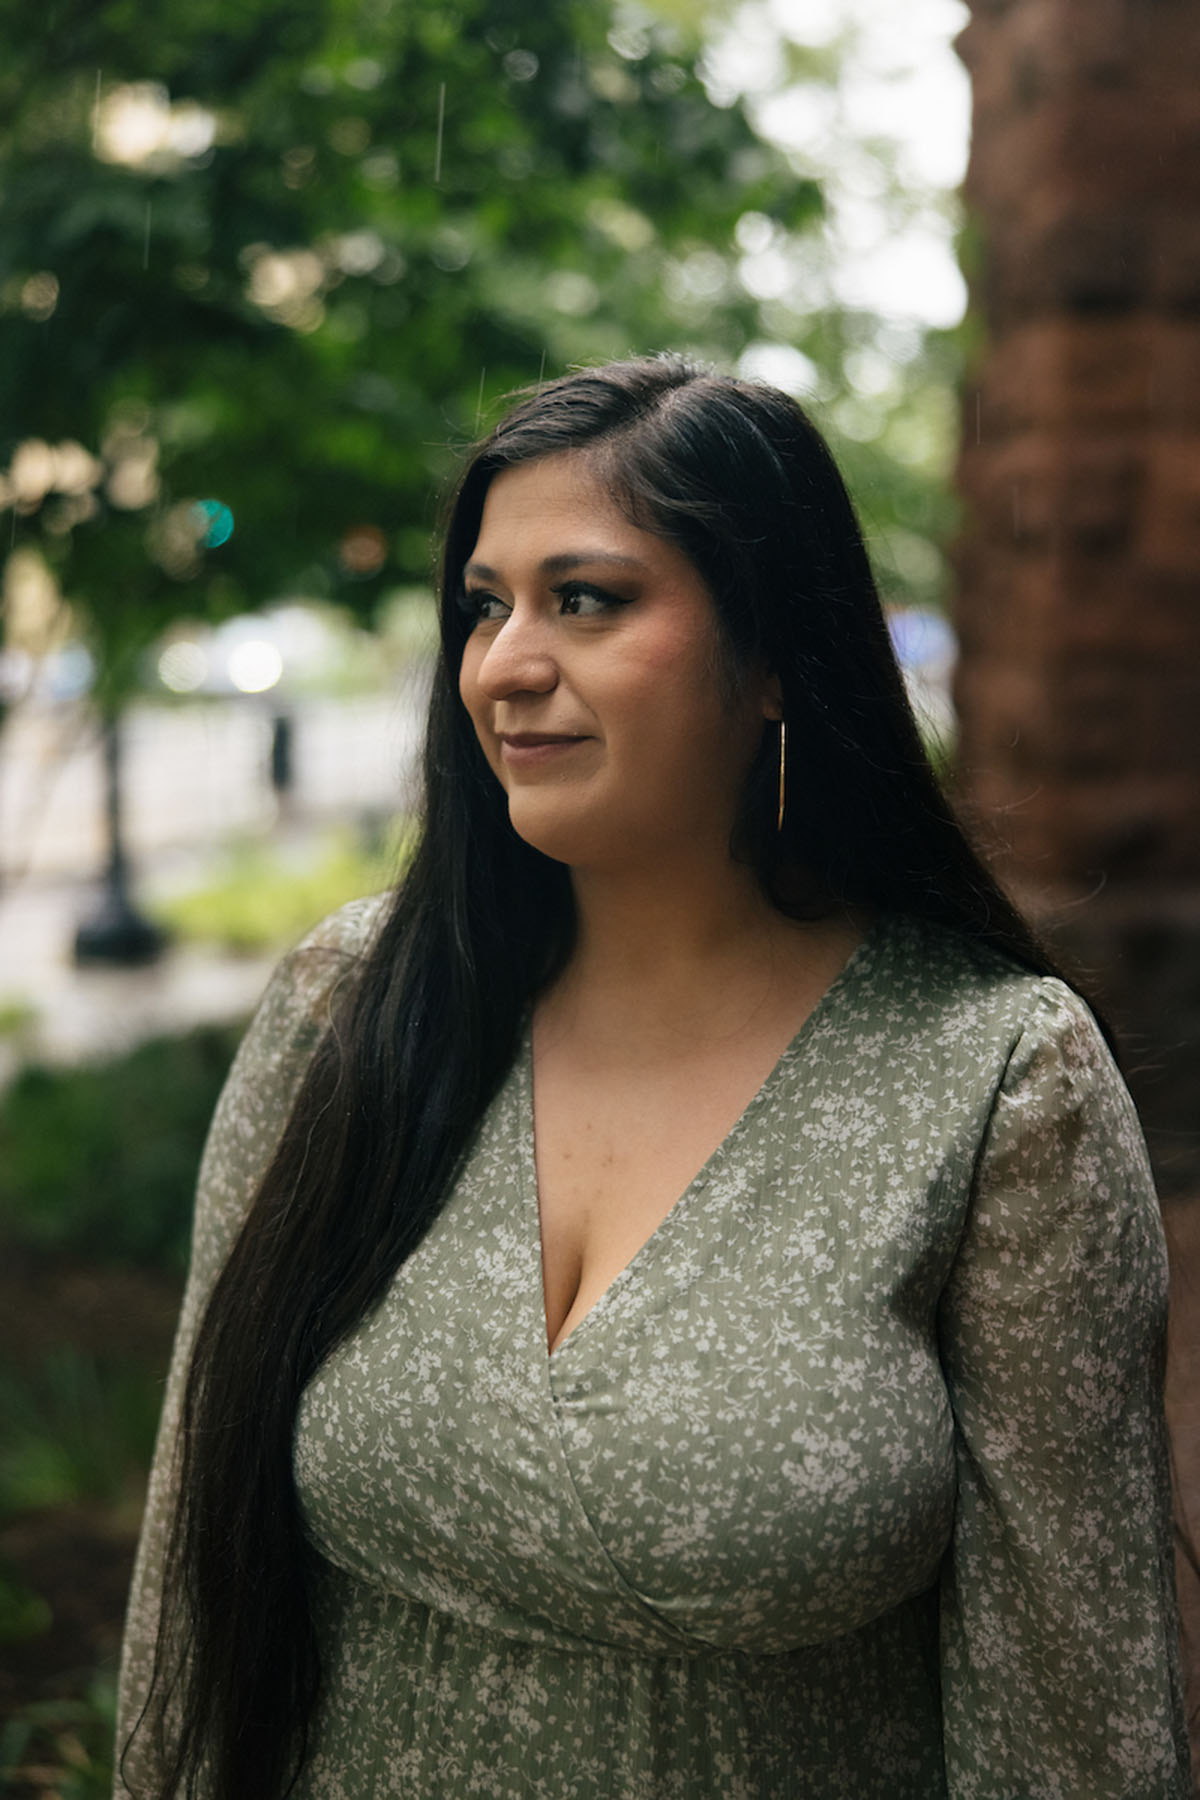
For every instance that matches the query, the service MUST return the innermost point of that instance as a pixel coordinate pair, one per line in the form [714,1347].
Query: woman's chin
[567,834]
[565,840]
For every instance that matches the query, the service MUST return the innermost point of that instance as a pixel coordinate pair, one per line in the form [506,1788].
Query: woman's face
[592,675]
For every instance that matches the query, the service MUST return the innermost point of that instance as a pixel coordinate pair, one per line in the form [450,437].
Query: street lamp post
[115,931]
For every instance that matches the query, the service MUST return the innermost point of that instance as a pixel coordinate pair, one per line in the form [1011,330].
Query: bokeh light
[39,295]
[215,521]
[182,667]
[138,124]
[255,665]
[363,550]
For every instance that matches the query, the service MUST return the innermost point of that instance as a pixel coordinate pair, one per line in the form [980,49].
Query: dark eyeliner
[568,590]
[471,601]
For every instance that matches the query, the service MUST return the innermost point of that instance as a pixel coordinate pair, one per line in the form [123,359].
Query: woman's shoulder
[298,1003]
[948,987]
[958,1034]
[348,932]
[306,979]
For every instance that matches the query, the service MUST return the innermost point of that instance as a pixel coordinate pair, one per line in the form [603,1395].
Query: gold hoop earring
[782,773]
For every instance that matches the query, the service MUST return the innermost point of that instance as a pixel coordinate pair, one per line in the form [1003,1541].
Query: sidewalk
[78,1014]
[194,778]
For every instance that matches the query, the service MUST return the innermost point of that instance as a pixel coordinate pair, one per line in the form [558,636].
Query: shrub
[100,1161]
[262,899]
[62,1747]
[76,1429]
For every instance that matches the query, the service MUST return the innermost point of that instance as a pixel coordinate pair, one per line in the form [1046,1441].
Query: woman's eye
[581,601]
[479,605]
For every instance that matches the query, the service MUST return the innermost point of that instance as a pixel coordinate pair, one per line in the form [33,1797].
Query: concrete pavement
[196,778]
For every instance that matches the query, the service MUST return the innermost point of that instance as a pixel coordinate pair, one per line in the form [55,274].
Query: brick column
[1079,566]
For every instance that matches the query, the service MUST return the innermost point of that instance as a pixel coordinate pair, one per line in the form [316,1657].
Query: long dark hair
[734,474]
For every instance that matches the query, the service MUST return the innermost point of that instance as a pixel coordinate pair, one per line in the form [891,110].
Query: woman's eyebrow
[559,563]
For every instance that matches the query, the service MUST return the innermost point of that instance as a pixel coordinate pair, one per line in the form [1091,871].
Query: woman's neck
[658,956]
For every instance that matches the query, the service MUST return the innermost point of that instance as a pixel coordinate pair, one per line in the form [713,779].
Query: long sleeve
[249,1118]
[1060,1659]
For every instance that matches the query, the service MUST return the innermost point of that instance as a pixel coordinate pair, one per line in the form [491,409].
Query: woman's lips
[530,749]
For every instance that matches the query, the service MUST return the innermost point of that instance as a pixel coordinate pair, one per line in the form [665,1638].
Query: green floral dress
[852,1486]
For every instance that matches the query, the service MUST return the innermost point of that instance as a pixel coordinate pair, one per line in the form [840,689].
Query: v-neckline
[700,1180]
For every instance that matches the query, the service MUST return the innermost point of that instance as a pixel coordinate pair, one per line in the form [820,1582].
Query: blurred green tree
[259,263]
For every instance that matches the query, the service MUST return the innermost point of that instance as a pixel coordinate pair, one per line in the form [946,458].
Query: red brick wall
[1078,572]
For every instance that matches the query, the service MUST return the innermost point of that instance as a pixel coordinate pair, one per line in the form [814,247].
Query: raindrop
[520,65]
[441,120]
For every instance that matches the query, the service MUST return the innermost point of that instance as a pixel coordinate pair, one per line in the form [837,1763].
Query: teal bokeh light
[215,522]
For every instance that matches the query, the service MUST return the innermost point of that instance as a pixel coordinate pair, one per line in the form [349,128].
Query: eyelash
[472,601]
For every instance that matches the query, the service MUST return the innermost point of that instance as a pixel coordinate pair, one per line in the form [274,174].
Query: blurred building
[1078,682]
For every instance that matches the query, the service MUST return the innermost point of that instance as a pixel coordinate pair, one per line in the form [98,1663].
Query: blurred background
[265,269]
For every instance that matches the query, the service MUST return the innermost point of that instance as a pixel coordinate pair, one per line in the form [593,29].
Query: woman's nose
[519,658]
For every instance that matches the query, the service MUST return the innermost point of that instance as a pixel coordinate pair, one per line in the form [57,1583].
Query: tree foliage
[403,210]
[277,258]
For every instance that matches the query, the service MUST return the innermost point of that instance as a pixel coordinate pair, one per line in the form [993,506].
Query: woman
[677,1296]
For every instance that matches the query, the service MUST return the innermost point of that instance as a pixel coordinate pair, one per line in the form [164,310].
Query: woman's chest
[622,1131]
[612,1158]
[745,1443]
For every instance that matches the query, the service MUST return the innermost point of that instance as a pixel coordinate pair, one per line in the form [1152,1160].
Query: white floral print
[852,1486]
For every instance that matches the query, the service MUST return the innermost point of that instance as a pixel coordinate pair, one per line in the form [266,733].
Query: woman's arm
[1060,1656]
[249,1118]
